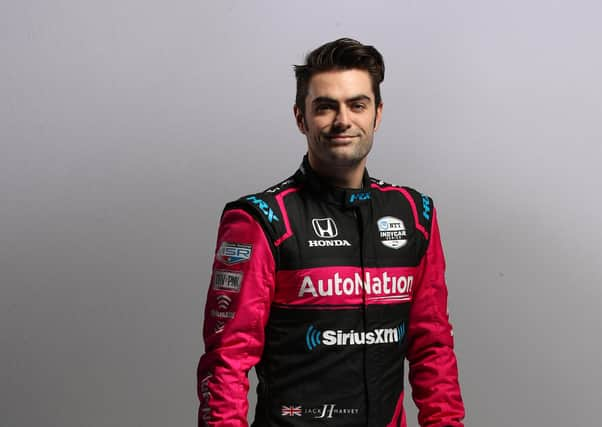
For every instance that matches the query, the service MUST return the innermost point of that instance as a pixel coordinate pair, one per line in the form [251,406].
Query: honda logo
[325,227]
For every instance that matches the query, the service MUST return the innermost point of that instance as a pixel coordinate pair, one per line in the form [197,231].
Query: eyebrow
[327,99]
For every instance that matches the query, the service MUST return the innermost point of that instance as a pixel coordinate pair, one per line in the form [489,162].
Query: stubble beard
[344,156]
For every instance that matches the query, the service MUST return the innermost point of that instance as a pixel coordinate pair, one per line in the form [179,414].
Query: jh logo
[326,411]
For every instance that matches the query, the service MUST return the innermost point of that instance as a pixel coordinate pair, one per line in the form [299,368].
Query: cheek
[323,118]
[369,124]
[318,126]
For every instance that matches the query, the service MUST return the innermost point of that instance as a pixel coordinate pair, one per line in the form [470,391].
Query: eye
[323,107]
[358,106]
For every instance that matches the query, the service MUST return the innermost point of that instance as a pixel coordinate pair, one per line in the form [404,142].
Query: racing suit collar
[347,197]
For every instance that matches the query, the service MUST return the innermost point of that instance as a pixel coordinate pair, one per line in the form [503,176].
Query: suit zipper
[358,217]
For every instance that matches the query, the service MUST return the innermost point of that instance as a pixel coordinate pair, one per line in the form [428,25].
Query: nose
[342,118]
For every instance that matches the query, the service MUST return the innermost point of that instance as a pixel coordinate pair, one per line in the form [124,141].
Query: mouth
[341,138]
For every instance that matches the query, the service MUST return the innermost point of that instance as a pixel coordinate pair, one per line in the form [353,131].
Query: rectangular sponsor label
[224,280]
[340,285]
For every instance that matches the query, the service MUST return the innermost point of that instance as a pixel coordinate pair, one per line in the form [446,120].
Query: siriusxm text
[377,336]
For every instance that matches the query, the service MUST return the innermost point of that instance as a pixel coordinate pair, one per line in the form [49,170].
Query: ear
[379,115]
[299,119]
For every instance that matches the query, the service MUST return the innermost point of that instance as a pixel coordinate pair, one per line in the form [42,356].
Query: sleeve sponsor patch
[224,280]
[233,253]
[205,398]
[223,314]
[223,305]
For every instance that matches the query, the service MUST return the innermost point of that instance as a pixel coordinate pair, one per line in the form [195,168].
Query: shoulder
[266,207]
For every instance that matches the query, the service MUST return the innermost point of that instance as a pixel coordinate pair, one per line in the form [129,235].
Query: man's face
[340,118]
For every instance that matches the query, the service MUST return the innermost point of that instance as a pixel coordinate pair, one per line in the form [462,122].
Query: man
[328,280]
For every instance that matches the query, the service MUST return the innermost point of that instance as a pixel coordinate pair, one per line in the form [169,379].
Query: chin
[345,159]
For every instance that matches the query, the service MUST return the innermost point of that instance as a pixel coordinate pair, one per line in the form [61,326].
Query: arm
[236,313]
[433,370]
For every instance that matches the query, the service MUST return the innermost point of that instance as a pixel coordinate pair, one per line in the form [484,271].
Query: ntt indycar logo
[392,232]
[382,286]
[330,337]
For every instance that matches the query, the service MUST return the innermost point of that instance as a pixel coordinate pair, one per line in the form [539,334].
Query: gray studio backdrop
[126,125]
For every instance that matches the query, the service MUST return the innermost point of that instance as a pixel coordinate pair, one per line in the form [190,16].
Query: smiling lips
[340,138]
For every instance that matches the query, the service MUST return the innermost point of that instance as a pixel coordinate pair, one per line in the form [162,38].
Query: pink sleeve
[236,312]
[433,370]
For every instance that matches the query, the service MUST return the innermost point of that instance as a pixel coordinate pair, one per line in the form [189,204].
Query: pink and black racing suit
[326,291]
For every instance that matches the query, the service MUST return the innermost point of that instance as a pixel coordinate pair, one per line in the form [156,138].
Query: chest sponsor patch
[233,253]
[326,229]
[392,232]
[378,286]
[342,285]
[330,337]
[224,280]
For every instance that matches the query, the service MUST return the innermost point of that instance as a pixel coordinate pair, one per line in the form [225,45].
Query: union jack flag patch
[291,411]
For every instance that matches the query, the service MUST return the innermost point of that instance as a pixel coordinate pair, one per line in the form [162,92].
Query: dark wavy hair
[341,54]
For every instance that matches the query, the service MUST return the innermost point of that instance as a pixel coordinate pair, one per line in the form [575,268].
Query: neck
[344,176]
